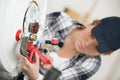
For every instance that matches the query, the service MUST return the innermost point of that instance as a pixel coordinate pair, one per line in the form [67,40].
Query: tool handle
[41,56]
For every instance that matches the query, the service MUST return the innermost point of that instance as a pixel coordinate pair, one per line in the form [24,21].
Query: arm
[30,69]
[26,66]
[82,70]
[57,22]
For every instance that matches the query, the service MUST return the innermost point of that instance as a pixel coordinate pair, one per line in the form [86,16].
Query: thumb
[49,58]
[36,58]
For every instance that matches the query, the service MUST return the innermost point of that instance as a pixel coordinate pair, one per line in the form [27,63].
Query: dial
[31,19]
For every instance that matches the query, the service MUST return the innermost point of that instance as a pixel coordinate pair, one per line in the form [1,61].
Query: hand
[30,69]
[48,66]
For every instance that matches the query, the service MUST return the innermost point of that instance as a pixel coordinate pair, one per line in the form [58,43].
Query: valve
[55,41]
[18,35]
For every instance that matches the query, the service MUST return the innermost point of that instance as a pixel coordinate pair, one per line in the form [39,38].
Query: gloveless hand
[30,69]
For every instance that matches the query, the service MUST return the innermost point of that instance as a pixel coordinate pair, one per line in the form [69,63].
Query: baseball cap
[107,33]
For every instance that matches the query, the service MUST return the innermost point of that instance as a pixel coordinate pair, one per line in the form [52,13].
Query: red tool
[28,49]
[35,50]
[18,35]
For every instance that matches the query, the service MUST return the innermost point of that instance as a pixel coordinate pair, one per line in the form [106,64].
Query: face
[83,41]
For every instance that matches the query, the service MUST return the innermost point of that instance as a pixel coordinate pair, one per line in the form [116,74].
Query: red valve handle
[54,41]
[17,36]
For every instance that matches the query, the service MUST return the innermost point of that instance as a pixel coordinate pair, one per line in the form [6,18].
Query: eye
[95,41]
[92,36]
[96,44]
[97,47]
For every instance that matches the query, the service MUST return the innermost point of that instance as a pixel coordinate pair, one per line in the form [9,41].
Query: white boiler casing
[11,19]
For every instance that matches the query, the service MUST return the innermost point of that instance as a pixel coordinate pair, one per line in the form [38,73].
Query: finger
[36,58]
[23,63]
[49,58]
[47,66]
[41,63]
[25,59]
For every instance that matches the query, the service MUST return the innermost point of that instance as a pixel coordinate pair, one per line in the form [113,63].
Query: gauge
[31,19]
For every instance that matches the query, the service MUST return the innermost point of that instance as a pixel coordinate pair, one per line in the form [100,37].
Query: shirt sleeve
[81,71]
[55,22]
[39,78]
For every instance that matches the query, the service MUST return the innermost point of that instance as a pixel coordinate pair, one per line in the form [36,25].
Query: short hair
[96,22]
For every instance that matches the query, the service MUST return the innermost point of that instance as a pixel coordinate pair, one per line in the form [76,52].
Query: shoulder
[54,14]
[62,18]
[93,60]
[59,15]
[89,65]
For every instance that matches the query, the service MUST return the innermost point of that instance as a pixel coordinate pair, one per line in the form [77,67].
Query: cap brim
[100,37]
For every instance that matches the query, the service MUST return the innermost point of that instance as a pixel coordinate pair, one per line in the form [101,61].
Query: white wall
[11,17]
[102,8]
[80,6]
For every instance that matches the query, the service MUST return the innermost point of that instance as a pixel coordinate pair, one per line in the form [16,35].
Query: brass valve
[33,37]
